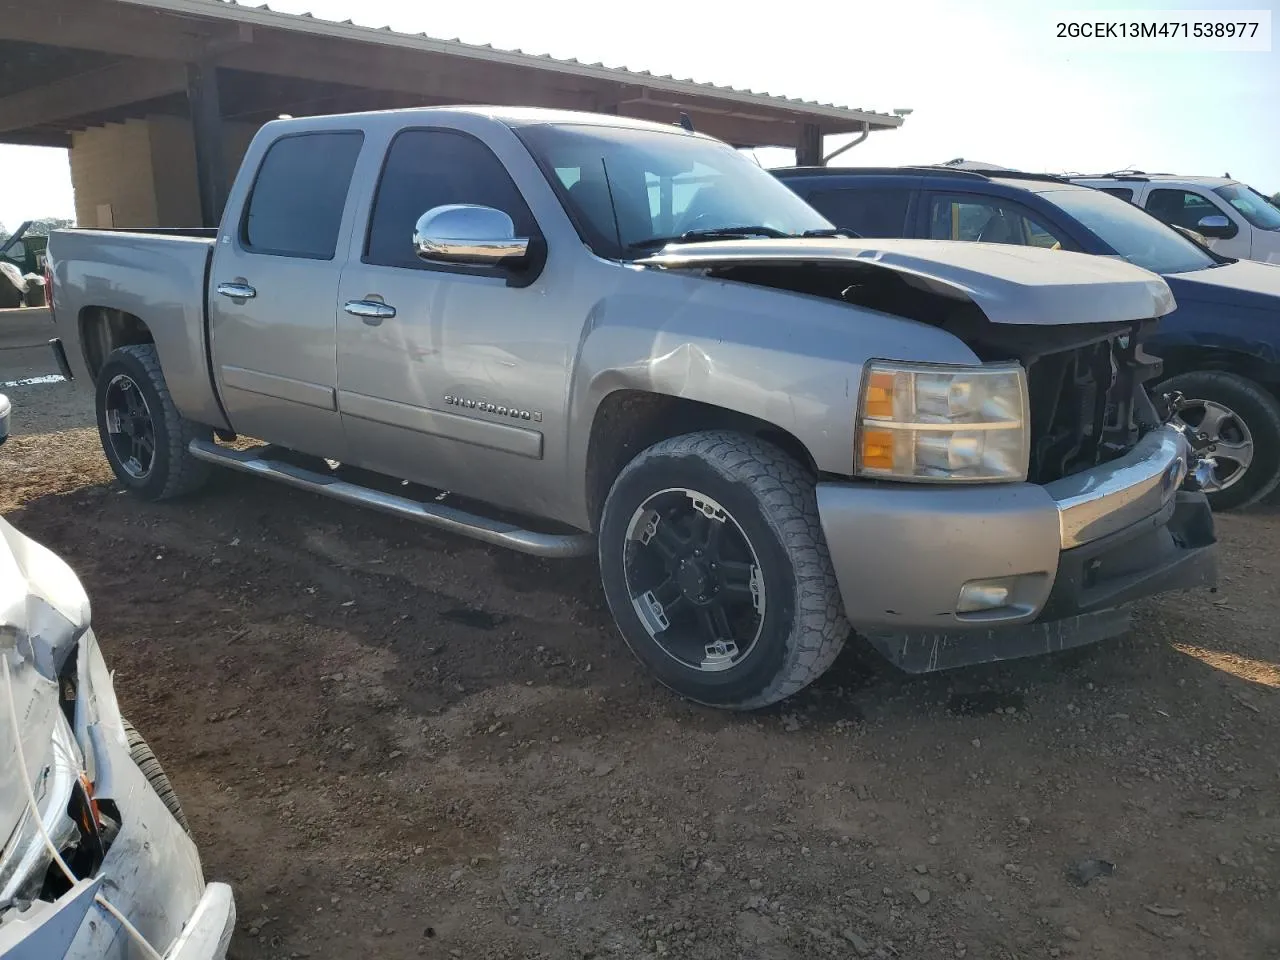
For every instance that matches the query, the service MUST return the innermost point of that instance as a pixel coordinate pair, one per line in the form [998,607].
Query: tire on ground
[1260,412]
[146,761]
[772,499]
[174,471]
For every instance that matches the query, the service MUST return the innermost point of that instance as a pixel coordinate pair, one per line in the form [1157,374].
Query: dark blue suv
[1220,347]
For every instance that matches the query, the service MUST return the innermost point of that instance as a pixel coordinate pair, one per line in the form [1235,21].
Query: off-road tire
[146,761]
[1260,412]
[174,472]
[772,498]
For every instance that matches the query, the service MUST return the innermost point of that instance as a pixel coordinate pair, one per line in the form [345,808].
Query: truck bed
[159,275]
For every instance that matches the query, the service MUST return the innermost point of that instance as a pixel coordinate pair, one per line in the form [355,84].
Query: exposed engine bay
[1088,405]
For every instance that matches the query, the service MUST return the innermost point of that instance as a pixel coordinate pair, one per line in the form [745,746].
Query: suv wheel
[1237,423]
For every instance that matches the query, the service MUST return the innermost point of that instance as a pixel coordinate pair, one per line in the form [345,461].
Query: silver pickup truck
[604,335]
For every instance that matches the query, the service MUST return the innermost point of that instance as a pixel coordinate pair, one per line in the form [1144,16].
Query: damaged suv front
[94,864]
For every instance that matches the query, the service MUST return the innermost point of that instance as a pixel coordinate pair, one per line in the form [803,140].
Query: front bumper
[1073,553]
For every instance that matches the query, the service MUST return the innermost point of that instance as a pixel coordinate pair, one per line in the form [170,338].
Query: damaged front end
[126,880]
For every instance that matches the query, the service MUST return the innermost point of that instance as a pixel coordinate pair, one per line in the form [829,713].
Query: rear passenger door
[273,286]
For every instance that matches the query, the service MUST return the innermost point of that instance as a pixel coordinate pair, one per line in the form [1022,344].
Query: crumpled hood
[43,612]
[1010,284]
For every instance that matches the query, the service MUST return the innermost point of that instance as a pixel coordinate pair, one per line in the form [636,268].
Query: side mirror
[468,234]
[4,418]
[1217,226]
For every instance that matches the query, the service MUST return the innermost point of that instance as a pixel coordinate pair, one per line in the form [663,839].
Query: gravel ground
[398,744]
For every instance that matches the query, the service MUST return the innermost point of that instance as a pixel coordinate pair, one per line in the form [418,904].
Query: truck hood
[43,612]
[1010,284]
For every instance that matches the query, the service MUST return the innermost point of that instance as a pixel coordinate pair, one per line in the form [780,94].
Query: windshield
[1251,205]
[661,186]
[1136,236]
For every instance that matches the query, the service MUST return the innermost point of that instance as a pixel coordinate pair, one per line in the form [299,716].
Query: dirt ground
[395,744]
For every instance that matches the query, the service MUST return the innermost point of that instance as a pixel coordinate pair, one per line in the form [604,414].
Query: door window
[432,168]
[1182,208]
[1124,193]
[295,208]
[869,212]
[988,220]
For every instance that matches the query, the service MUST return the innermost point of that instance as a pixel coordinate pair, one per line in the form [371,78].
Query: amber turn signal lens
[877,449]
[878,404]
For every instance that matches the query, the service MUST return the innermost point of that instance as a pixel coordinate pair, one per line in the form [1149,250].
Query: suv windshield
[1136,236]
[1251,205]
[661,186]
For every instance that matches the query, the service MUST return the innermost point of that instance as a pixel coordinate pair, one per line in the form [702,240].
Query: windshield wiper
[734,233]
[831,232]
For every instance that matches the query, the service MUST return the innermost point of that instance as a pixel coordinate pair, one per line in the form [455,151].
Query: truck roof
[510,116]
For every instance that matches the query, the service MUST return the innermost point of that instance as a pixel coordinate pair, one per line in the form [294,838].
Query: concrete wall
[142,173]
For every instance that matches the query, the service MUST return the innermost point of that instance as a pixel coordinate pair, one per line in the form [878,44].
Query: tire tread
[785,491]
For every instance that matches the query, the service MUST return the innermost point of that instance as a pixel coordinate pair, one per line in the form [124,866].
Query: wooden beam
[206,129]
[107,27]
[441,78]
[129,81]
[38,138]
[739,130]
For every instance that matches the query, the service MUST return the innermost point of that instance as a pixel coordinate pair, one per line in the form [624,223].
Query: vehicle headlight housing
[932,422]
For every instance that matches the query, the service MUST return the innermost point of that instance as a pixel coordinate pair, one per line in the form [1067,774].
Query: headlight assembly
[930,422]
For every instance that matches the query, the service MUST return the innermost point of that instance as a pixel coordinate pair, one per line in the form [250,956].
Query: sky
[986,80]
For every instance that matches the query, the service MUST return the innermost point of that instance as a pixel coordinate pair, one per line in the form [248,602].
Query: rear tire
[146,761]
[716,570]
[144,437]
[1236,415]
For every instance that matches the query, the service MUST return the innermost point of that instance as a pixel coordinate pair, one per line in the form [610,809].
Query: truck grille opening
[1087,405]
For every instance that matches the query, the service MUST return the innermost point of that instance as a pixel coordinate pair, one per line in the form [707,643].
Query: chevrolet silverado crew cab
[567,334]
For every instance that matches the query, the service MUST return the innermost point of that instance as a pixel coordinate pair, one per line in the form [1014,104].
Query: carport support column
[809,149]
[206,128]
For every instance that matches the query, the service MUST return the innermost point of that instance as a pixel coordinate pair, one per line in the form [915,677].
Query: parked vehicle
[22,263]
[1220,347]
[638,340]
[98,862]
[1237,220]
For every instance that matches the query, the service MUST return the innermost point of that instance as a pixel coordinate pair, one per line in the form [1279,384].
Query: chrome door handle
[370,311]
[237,291]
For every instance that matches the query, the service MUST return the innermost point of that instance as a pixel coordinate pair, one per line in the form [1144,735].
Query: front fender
[791,360]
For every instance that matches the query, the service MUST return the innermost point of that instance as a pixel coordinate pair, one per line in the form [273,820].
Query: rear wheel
[716,570]
[1235,422]
[146,761]
[143,435]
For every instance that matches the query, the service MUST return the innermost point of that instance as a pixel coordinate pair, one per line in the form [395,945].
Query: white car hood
[1010,284]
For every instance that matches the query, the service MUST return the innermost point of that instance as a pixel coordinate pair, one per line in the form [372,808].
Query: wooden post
[206,127]
[809,149]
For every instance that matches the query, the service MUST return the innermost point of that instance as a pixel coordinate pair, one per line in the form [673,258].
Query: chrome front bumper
[903,552]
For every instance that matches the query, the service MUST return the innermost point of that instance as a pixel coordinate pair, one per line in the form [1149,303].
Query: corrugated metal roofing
[263,15]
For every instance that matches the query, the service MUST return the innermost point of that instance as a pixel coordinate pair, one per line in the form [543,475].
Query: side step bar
[497,532]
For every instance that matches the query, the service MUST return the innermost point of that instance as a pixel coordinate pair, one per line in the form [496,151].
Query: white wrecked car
[97,863]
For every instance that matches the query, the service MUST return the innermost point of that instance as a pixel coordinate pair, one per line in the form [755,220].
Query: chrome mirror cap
[465,233]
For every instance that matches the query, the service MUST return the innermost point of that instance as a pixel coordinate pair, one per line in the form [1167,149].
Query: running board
[451,519]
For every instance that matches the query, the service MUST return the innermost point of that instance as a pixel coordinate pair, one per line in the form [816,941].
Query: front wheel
[1235,422]
[717,572]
